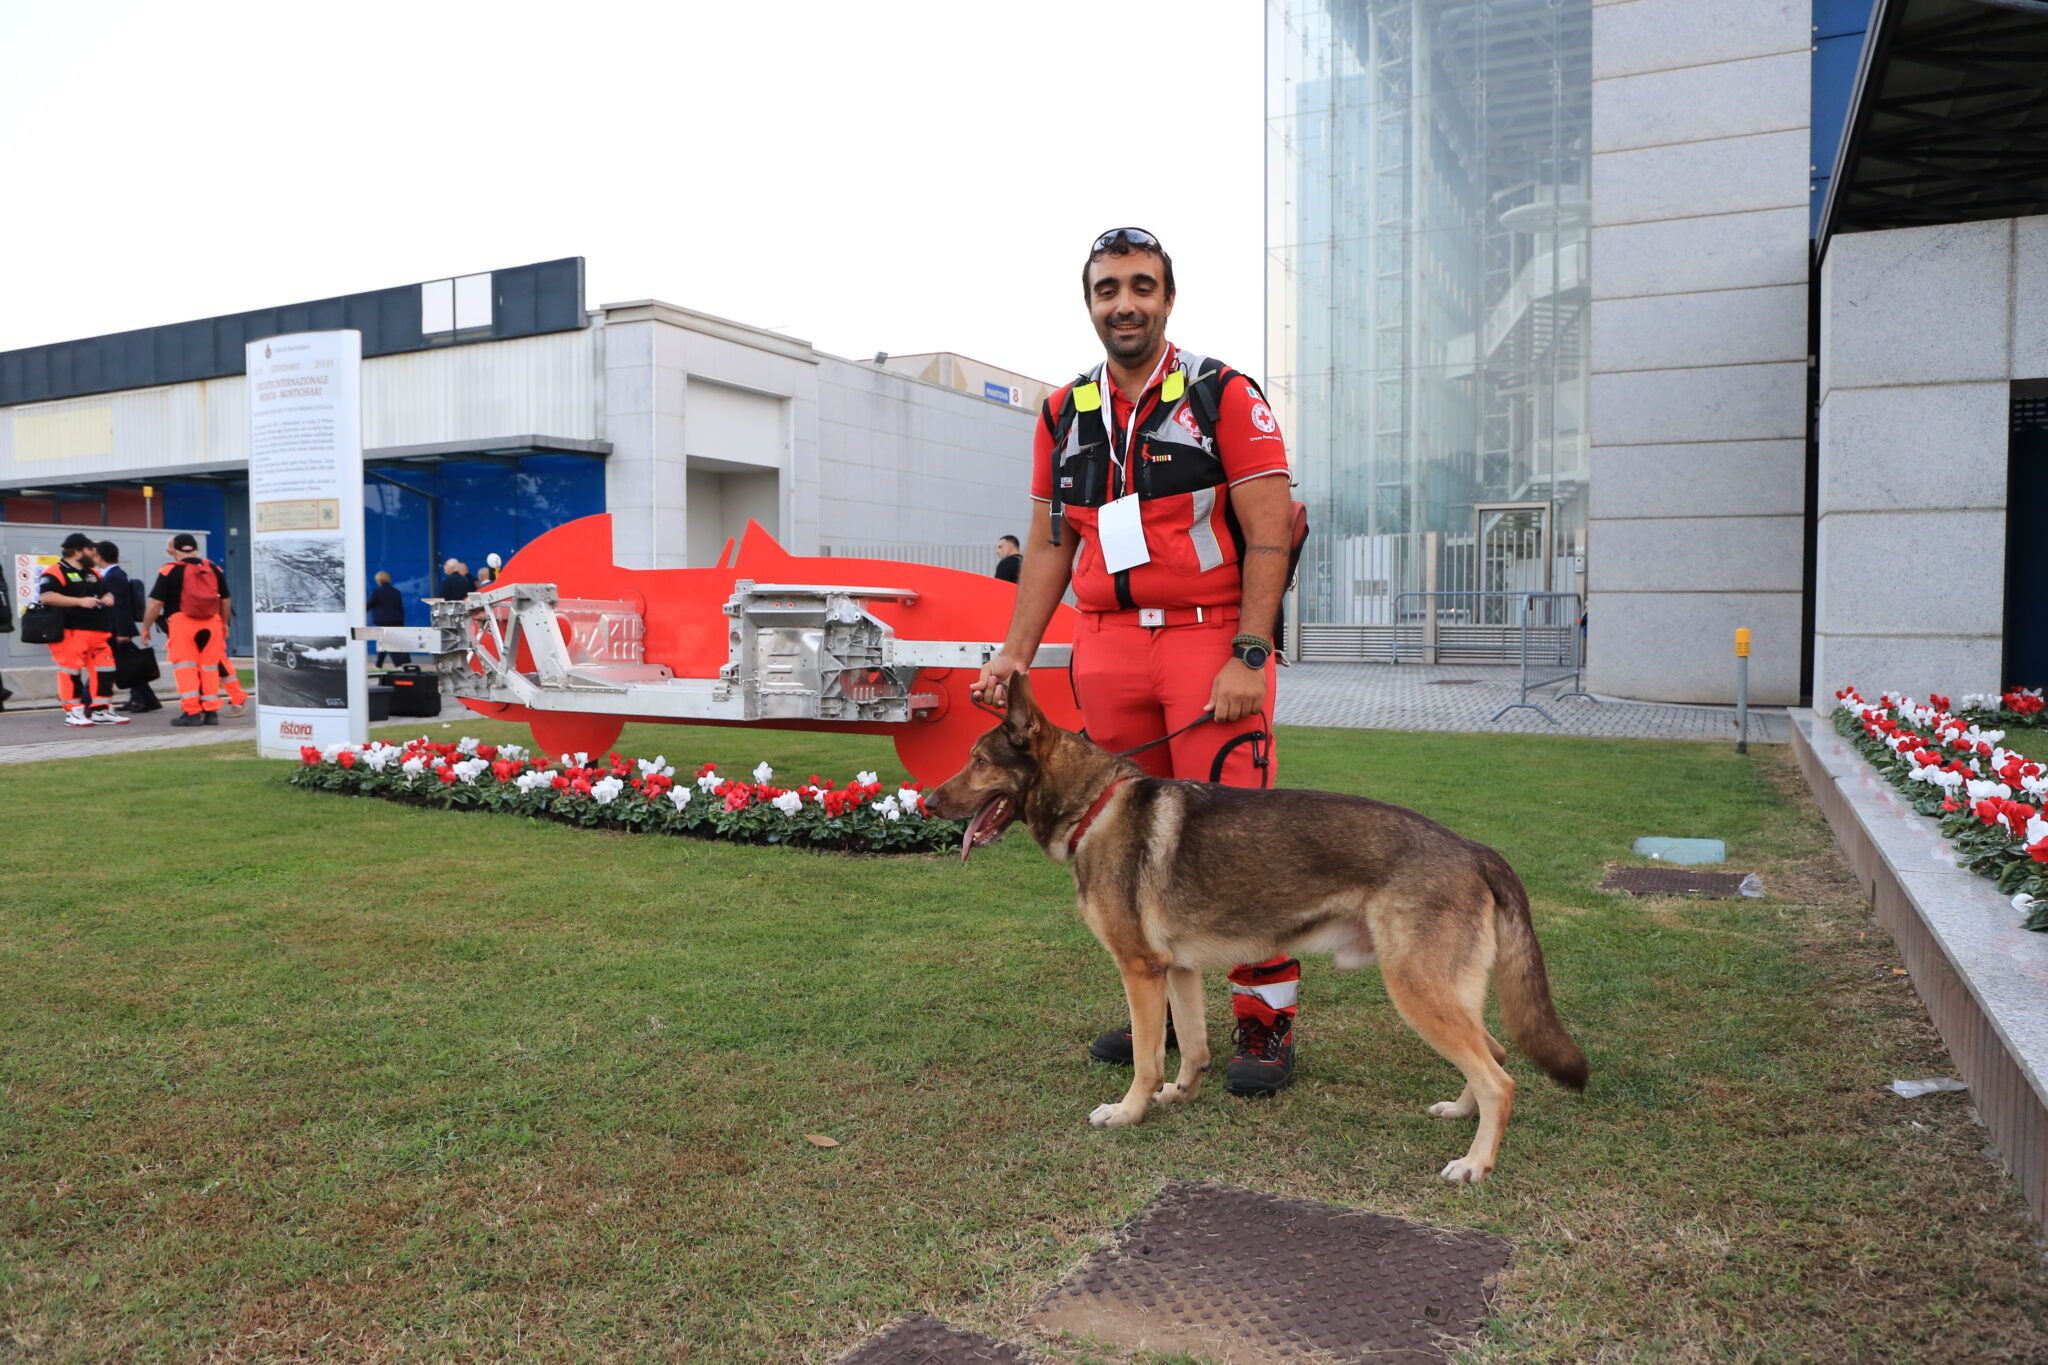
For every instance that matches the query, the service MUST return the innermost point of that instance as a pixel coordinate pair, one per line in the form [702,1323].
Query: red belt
[1153,618]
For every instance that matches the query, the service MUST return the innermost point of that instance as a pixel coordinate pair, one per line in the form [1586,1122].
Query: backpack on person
[199,591]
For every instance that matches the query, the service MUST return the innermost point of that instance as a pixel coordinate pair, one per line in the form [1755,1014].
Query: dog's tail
[1523,984]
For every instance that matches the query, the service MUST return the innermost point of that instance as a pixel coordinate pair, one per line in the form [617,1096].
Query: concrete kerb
[1982,976]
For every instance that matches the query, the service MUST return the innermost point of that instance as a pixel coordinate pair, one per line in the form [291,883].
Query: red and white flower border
[1955,769]
[611,792]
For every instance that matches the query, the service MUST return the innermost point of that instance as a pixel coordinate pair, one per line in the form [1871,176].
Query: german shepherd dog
[1174,877]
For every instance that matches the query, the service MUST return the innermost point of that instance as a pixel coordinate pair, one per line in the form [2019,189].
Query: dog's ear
[1024,721]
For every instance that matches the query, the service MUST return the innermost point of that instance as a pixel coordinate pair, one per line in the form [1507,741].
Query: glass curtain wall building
[1427,300]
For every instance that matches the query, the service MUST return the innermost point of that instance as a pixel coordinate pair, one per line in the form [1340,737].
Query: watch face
[1253,656]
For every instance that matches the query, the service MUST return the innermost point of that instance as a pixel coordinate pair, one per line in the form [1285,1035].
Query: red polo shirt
[1247,441]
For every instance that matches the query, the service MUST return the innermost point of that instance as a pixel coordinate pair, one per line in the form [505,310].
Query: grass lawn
[290,1076]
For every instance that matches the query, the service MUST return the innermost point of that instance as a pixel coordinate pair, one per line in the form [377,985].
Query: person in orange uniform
[73,583]
[1161,494]
[193,593]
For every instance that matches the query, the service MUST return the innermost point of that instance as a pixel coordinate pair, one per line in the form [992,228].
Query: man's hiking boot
[209,717]
[1264,1064]
[186,720]
[1114,1046]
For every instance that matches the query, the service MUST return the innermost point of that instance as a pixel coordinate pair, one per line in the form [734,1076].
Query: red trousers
[1136,683]
[81,651]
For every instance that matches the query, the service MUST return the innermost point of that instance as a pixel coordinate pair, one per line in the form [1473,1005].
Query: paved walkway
[36,736]
[1440,697]
[1466,697]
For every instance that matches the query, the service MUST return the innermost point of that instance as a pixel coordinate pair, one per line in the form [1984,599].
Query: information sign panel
[306,514]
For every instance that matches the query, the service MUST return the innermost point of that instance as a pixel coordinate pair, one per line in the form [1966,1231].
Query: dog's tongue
[982,818]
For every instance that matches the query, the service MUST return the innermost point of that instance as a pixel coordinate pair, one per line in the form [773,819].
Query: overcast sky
[894,175]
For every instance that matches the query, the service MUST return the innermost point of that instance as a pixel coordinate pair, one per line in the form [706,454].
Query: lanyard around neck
[1130,428]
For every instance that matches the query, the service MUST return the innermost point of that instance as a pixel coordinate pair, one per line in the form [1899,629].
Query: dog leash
[1258,739]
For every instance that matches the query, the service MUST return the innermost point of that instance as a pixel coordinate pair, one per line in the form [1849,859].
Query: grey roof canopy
[1949,122]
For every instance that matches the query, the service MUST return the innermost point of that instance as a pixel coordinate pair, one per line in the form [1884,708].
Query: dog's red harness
[1074,839]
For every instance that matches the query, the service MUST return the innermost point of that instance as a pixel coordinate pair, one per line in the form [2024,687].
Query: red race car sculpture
[575,646]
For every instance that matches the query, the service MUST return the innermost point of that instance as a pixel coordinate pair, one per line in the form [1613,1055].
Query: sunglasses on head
[1134,236]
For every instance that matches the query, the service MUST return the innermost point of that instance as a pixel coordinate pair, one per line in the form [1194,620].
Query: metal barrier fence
[1482,627]
[1551,649]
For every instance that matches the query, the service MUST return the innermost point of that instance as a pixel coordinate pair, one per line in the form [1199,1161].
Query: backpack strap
[1057,427]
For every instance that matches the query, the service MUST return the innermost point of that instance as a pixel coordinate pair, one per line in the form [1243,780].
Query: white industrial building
[496,406]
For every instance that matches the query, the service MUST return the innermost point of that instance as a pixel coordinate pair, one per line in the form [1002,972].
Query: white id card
[1121,528]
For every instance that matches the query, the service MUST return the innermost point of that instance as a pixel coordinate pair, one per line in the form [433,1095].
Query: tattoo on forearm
[1265,549]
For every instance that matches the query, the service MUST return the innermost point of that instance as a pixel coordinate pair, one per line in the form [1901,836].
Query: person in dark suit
[1009,559]
[129,603]
[387,608]
[456,583]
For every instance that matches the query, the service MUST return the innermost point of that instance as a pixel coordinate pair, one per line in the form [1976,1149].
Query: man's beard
[1133,347]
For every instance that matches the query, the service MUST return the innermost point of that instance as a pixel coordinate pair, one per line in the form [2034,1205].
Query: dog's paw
[1110,1116]
[1172,1093]
[1465,1171]
[1453,1109]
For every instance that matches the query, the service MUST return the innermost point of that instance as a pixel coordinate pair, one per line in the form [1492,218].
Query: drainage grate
[1253,1278]
[1673,881]
[927,1341]
[1452,682]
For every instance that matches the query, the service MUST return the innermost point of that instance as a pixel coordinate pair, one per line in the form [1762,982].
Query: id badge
[1121,528]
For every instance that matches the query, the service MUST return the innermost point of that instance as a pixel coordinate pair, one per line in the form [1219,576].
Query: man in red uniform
[193,592]
[73,583]
[1161,491]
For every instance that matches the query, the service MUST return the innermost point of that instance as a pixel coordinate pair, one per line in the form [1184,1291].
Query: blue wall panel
[395,540]
[192,507]
[477,508]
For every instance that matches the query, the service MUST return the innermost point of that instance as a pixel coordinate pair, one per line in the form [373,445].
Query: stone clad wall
[1923,331]
[1699,355]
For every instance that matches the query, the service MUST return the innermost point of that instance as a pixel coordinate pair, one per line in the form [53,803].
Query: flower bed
[1955,769]
[642,796]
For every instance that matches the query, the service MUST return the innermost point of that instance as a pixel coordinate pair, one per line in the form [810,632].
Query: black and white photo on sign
[300,573]
[308,671]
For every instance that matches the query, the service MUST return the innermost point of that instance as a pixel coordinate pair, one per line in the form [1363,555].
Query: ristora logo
[266,350]
[294,729]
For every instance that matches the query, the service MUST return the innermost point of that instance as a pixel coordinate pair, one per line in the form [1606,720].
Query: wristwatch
[1252,651]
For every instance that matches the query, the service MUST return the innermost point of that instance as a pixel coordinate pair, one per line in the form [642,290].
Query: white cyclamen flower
[1978,791]
[888,809]
[866,779]
[470,769]
[607,791]
[466,746]
[413,767]
[789,803]
[906,797]
[762,772]
[534,780]
[680,796]
[658,766]
[709,780]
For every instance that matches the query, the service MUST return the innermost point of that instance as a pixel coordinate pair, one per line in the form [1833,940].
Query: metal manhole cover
[1250,1278]
[927,1341]
[1452,682]
[1673,881]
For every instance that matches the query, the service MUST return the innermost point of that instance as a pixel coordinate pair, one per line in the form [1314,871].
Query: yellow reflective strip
[1087,398]
[1176,384]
